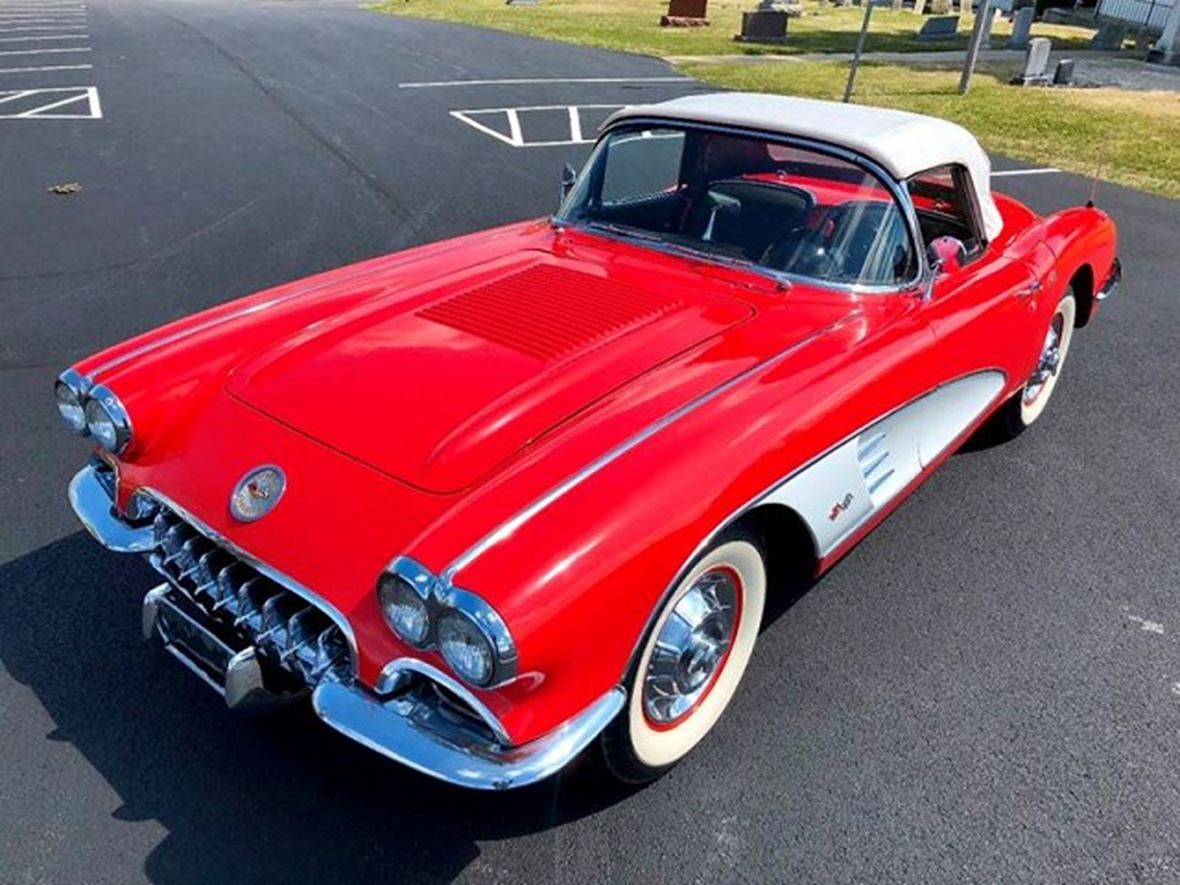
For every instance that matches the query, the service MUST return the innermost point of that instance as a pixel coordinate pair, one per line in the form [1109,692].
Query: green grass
[1137,135]
[634,26]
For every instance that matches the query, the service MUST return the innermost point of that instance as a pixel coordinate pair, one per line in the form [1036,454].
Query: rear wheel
[691,662]
[1027,405]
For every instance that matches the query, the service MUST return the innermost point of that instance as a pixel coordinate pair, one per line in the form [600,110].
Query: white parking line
[46,68]
[42,19]
[515,136]
[42,51]
[45,37]
[518,81]
[1008,173]
[41,28]
[58,98]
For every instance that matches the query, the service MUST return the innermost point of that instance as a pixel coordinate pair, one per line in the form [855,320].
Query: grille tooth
[226,584]
[291,631]
[301,635]
[329,648]
[252,599]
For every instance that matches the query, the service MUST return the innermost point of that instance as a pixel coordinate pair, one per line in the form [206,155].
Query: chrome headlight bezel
[103,405]
[456,629]
[394,592]
[72,388]
[443,600]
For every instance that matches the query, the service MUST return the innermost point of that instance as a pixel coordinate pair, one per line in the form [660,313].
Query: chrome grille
[284,627]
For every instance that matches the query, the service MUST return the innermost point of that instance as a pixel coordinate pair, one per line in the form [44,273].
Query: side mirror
[948,254]
[723,204]
[569,177]
[945,255]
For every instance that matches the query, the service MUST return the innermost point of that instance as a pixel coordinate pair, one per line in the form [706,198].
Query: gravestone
[919,7]
[1063,73]
[1110,35]
[685,13]
[939,27]
[1021,23]
[1036,63]
[766,24]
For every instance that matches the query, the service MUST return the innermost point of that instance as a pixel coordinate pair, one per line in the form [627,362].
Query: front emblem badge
[257,493]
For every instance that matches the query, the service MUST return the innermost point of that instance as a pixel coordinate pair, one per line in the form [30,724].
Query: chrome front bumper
[419,716]
[419,735]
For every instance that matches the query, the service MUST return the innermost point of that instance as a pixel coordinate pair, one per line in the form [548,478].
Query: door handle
[1031,289]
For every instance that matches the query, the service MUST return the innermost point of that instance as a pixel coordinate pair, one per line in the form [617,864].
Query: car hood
[439,386]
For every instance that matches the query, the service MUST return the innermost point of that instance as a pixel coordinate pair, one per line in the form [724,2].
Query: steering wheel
[804,251]
[830,250]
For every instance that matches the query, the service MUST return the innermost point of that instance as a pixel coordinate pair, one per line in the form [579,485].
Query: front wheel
[1027,405]
[691,662]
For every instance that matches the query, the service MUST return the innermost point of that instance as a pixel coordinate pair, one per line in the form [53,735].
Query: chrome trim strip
[506,529]
[1112,282]
[284,581]
[389,729]
[78,384]
[95,510]
[157,343]
[767,493]
[391,678]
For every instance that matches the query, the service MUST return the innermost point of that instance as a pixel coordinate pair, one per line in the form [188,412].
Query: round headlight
[107,420]
[466,648]
[404,610]
[70,408]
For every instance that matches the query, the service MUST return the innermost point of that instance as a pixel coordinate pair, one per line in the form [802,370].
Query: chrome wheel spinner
[691,647]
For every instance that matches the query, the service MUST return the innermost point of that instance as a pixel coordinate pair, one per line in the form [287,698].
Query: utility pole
[981,22]
[860,45]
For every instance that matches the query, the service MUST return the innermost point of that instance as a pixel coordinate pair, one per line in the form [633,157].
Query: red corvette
[494,499]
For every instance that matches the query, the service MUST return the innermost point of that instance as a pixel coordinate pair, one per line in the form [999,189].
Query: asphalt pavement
[987,689]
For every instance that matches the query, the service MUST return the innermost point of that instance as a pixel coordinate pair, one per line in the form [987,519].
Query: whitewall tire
[1028,403]
[691,661]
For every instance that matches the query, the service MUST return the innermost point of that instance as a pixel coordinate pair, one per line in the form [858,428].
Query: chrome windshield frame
[895,188]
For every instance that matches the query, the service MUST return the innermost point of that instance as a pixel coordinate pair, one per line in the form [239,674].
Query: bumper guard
[422,718]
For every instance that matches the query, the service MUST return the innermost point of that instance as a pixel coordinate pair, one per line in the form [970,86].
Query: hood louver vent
[549,312]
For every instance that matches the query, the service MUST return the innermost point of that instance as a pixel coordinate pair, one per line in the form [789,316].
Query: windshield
[745,199]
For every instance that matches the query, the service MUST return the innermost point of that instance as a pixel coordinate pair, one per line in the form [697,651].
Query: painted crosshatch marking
[538,125]
[58,103]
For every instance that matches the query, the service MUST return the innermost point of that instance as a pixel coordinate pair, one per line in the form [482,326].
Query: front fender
[1085,241]
[579,580]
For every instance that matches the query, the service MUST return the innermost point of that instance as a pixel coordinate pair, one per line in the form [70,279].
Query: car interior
[795,211]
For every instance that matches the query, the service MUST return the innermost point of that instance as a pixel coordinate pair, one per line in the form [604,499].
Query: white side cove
[838,493]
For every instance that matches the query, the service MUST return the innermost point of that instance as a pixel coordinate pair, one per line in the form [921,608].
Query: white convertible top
[901,142]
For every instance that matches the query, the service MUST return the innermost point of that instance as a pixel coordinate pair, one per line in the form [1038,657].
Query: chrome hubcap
[1049,362]
[691,647]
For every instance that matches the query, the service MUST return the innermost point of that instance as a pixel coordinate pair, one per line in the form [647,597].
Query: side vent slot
[876,465]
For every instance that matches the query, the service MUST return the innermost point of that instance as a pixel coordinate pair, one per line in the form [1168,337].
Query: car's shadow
[243,799]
